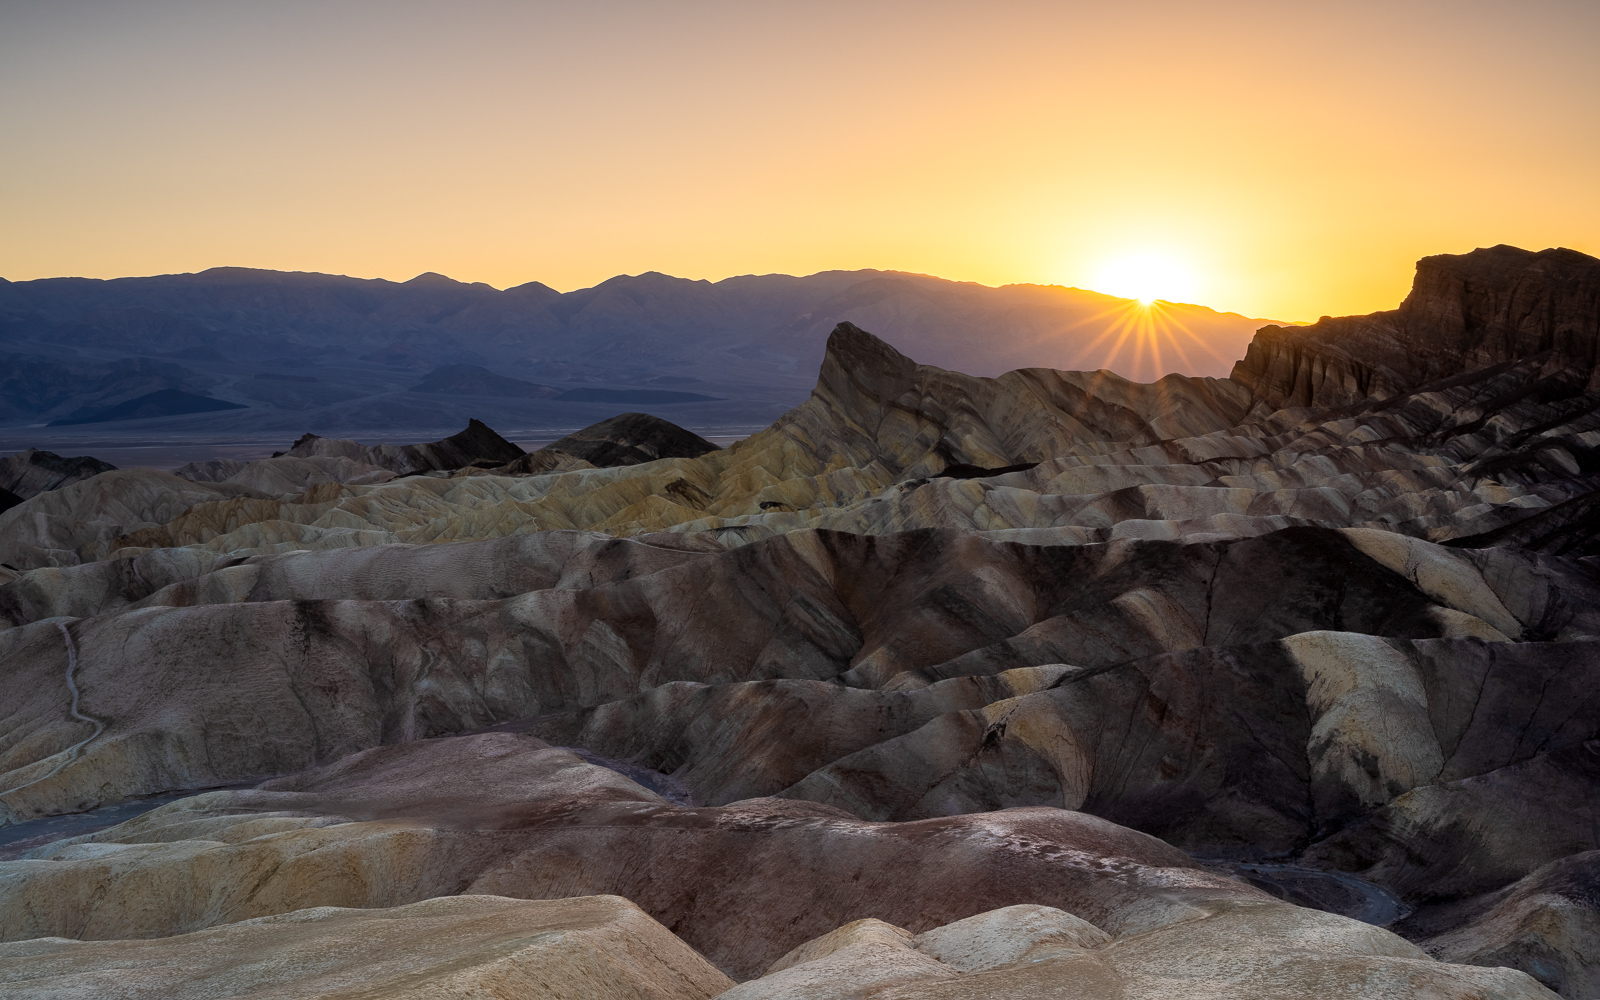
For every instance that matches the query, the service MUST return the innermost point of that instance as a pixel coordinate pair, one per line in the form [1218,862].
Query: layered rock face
[486,946]
[757,887]
[1490,307]
[1049,684]
[32,472]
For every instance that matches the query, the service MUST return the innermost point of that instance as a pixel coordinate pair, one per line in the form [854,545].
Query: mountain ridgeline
[1052,684]
[1499,306]
[327,353]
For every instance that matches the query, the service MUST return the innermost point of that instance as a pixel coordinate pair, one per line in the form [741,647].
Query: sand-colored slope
[798,900]
[1238,949]
[202,694]
[454,946]
[928,646]
[867,453]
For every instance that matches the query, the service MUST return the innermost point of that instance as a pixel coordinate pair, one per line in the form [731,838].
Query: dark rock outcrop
[478,446]
[1547,924]
[32,472]
[161,403]
[541,461]
[1466,311]
[1571,528]
[629,439]
[475,380]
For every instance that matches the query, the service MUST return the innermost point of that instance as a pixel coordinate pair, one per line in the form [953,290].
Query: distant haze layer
[236,350]
[1292,158]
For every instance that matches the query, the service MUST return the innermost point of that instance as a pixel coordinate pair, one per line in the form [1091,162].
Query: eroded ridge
[1047,684]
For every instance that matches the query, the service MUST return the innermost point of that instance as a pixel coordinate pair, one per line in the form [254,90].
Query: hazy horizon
[638,274]
[1264,159]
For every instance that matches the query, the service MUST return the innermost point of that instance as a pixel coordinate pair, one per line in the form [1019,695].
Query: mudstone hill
[1054,684]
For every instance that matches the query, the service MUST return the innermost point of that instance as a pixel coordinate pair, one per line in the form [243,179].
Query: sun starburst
[1146,278]
[1152,330]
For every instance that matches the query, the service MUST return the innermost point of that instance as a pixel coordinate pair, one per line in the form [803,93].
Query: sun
[1146,277]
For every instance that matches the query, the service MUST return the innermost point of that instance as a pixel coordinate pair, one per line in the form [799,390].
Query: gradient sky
[1295,158]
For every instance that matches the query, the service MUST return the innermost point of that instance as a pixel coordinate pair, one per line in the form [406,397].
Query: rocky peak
[29,473]
[1465,311]
[478,445]
[873,406]
[858,364]
[1504,303]
[632,438]
[432,278]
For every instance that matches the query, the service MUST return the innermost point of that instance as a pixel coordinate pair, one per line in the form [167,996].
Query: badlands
[1048,685]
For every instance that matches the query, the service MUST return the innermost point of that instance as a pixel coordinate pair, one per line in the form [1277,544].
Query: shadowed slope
[928,646]
[1465,311]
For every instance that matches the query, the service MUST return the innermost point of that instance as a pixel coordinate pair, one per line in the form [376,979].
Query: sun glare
[1146,277]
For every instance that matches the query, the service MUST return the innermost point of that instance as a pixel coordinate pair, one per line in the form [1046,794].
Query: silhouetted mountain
[33,386]
[32,472]
[161,403]
[749,343]
[472,380]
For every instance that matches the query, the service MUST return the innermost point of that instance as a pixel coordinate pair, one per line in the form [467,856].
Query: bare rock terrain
[285,352]
[478,945]
[32,472]
[1051,684]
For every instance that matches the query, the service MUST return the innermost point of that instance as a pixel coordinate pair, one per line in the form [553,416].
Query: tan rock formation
[865,454]
[310,678]
[1090,904]
[917,675]
[1547,923]
[285,475]
[507,815]
[478,946]
[1010,935]
[477,445]
[51,528]
[1243,949]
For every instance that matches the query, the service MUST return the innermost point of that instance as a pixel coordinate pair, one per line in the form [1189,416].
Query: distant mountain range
[295,350]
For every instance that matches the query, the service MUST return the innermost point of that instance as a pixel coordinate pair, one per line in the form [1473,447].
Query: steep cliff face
[1466,311]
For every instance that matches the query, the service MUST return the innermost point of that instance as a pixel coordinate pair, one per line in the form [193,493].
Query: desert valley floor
[1047,685]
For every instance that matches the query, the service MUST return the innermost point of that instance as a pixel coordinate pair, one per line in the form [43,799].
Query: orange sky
[1295,157]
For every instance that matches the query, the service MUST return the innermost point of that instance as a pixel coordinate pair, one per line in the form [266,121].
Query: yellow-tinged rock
[488,947]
